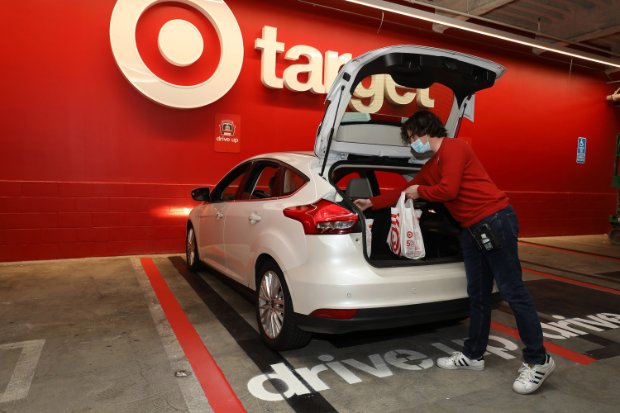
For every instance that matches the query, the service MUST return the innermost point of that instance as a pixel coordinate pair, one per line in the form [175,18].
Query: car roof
[294,158]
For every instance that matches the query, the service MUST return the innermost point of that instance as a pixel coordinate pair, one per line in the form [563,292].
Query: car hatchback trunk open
[284,224]
[359,140]
[440,231]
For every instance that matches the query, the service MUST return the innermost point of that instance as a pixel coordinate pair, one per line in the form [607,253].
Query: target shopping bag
[405,236]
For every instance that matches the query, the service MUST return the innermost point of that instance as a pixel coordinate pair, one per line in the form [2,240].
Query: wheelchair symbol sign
[581,150]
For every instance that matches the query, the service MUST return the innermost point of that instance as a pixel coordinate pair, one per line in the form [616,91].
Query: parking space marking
[21,379]
[220,394]
[551,347]
[598,276]
[250,342]
[574,282]
[192,393]
[589,254]
[293,383]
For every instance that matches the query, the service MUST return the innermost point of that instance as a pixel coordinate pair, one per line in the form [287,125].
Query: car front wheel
[191,250]
[274,311]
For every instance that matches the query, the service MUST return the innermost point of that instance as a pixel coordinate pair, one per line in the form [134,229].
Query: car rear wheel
[274,311]
[191,250]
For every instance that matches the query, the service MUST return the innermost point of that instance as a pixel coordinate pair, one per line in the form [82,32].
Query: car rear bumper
[390,317]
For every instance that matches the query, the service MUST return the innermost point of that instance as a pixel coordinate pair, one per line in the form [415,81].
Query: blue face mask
[420,147]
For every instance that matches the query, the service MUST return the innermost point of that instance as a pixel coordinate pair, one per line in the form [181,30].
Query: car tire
[274,310]
[191,249]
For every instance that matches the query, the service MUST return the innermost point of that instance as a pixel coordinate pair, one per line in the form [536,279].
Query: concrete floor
[91,336]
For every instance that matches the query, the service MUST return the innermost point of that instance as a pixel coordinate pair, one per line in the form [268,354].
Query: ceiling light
[474,28]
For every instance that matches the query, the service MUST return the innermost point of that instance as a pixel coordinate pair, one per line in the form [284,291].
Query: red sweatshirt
[455,177]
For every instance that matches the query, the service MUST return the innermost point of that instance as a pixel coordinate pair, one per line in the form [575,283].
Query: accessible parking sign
[581,150]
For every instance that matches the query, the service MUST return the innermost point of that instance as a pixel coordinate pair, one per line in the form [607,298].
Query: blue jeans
[503,266]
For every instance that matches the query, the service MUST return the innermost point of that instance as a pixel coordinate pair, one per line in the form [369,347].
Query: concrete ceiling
[589,25]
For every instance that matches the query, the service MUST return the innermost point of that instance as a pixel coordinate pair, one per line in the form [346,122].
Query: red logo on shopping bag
[395,234]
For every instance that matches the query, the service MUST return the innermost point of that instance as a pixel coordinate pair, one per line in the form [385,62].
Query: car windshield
[379,99]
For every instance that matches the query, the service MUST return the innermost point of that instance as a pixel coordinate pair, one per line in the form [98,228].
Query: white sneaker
[460,361]
[532,376]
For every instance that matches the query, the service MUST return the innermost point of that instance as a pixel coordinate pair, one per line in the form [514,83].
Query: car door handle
[219,215]
[254,218]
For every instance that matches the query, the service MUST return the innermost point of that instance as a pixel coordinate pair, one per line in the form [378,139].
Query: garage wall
[90,167]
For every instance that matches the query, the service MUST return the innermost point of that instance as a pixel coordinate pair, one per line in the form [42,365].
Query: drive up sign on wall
[227,133]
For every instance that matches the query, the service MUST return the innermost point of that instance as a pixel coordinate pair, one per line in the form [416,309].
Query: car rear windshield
[379,99]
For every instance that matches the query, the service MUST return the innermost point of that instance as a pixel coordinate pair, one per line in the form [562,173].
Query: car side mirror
[201,194]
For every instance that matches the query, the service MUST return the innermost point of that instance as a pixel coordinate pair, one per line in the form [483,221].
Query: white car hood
[410,66]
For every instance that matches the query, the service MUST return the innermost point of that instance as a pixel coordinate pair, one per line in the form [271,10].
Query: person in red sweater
[489,231]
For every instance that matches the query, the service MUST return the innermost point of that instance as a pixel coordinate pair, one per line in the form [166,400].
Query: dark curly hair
[423,123]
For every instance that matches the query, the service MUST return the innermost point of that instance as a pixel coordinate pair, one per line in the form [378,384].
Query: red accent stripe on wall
[551,348]
[53,219]
[220,394]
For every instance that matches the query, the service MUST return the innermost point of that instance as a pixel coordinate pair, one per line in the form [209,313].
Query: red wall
[90,167]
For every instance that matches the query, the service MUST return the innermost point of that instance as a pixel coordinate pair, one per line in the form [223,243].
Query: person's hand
[363,204]
[412,192]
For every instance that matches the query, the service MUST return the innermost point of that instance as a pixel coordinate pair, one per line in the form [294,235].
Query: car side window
[229,193]
[292,181]
[228,187]
[263,182]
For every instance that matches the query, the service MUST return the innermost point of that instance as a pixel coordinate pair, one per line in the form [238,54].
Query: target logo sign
[179,70]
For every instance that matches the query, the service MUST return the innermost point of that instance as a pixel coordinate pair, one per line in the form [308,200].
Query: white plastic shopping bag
[405,236]
[369,222]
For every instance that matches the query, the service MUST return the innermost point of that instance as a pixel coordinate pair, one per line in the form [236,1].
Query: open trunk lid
[408,66]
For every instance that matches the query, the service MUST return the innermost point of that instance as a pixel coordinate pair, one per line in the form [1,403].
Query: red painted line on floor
[551,348]
[589,254]
[220,394]
[574,282]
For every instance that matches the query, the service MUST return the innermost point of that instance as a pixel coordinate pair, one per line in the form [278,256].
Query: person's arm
[451,167]
[384,200]
[390,198]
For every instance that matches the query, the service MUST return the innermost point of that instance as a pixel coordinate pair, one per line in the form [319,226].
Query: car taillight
[334,313]
[323,217]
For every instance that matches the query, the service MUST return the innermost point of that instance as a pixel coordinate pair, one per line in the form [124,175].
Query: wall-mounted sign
[181,45]
[227,133]
[581,150]
[320,69]
[175,36]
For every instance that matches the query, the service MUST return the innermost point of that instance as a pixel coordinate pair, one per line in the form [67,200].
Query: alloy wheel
[190,247]
[271,304]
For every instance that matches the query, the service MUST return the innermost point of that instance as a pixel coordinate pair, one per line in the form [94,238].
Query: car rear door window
[292,181]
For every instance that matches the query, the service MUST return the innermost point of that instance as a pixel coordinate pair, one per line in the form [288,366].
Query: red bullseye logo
[183,54]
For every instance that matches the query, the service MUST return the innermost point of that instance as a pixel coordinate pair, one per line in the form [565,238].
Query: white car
[284,224]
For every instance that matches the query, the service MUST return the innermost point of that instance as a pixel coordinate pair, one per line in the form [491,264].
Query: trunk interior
[365,179]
